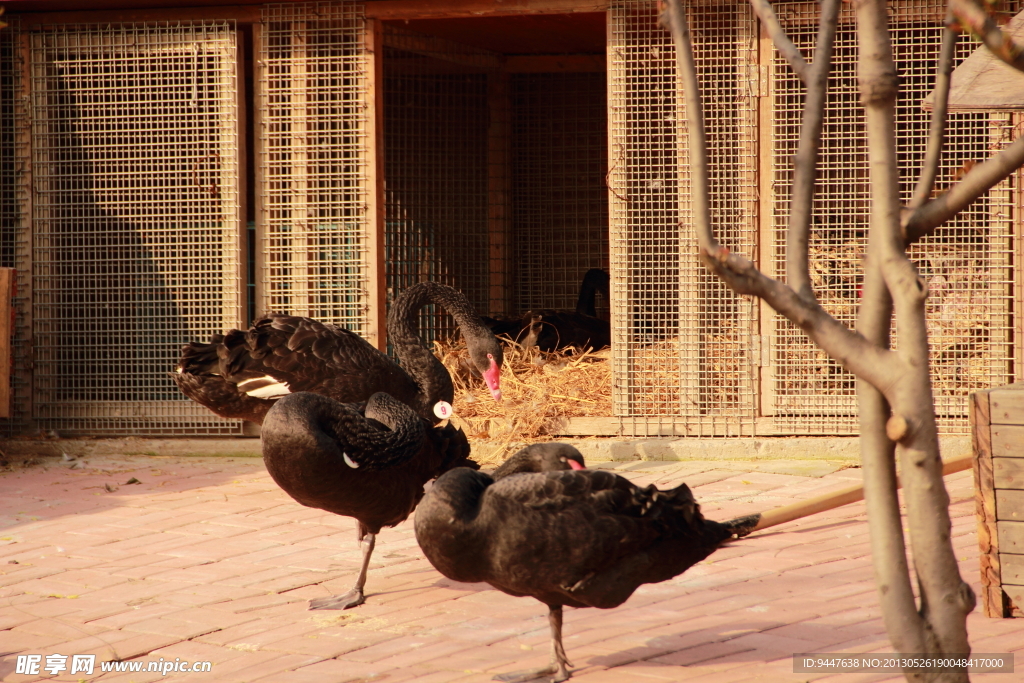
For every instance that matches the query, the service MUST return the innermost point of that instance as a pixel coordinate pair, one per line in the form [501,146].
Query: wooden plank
[430,9]
[544,64]
[1011,537]
[8,277]
[1014,601]
[1007,441]
[242,172]
[1012,569]
[768,318]
[258,84]
[499,135]
[1010,506]
[241,13]
[26,198]
[1008,473]
[376,282]
[985,504]
[1008,405]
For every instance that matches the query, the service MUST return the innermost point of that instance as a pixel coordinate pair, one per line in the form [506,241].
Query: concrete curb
[833,449]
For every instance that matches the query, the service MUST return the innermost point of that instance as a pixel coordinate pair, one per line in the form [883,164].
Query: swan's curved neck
[403,331]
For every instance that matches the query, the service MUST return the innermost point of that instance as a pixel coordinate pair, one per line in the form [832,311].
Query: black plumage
[579,538]
[239,374]
[541,457]
[551,330]
[369,464]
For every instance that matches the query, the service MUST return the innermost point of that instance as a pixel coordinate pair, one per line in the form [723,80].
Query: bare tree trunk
[894,386]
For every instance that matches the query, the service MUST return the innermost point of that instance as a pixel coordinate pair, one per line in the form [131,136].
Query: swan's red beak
[493,378]
[575,465]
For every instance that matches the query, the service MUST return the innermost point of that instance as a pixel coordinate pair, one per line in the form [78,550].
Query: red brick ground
[206,559]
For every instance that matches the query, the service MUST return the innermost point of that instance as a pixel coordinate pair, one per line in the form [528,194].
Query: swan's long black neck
[403,331]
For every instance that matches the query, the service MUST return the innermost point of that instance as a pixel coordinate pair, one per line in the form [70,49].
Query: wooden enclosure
[997,423]
[319,157]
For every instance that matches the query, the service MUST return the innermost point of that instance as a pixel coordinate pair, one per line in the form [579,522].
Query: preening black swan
[240,374]
[584,538]
[551,330]
[370,465]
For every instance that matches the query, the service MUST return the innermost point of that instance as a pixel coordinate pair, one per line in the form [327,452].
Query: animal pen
[172,175]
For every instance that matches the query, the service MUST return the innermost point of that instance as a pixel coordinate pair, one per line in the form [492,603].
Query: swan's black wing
[221,396]
[306,355]
[591,537]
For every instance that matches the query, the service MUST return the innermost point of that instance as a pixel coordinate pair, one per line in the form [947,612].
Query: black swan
[541,457]
[239,374]
[551,330]
[583,538]
[370,465]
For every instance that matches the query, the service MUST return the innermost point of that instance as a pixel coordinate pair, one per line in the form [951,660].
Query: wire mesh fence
[313,170]
[967,263]
[134,219]
[437,133]
[559,143]
[683,344]
[14,221]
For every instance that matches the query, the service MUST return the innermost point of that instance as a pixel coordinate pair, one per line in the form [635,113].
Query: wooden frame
[997,423]
[376,316]
[7,286]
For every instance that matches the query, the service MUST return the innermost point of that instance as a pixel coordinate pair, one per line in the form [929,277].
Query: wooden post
[7,280]
[376,332]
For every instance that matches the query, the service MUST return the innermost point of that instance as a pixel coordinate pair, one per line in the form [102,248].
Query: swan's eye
[490,357]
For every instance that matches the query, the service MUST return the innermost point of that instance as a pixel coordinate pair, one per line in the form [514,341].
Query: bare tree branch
[978,181]
[789,51]
[937,133]
[975,19]
[805,170]
[888,552]
[855,353]
[674,17]
[945,598]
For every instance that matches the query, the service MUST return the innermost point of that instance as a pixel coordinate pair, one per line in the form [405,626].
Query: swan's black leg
[559,666]
[355,596]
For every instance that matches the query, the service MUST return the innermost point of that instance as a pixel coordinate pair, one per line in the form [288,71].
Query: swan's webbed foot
[351,599]
[559,667]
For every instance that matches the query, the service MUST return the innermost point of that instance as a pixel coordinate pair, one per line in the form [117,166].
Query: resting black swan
[541,457]
[551,330]
[370,465]
[584,538]
[240,374]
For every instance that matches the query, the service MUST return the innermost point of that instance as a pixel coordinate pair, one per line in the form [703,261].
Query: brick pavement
[206,559]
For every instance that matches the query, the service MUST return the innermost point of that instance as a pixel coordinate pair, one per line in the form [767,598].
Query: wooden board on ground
[997,428]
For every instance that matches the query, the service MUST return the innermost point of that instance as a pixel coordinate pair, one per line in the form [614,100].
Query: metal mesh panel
[683,345]
[436,145]
[314,180]
[967,263]
[559,197]
[135,220]
[14,233]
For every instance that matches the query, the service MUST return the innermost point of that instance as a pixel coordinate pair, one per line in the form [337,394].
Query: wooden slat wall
[7,278]
[997,423]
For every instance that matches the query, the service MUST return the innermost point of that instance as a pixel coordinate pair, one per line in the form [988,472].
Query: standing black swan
[370,465]
[240,374]
[583,538]
[551,330]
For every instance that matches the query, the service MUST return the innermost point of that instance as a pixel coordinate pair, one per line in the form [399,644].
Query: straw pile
[537,387]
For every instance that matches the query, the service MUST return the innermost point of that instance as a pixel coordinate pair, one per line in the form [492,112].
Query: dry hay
[537,387]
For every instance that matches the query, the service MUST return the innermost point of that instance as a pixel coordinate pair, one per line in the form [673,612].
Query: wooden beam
[546,64]
[428,9]
[243,14]
[985,505]
[437,48]
[376,222]
[8,277]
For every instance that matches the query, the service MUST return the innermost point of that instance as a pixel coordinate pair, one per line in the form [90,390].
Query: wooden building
[169,172]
